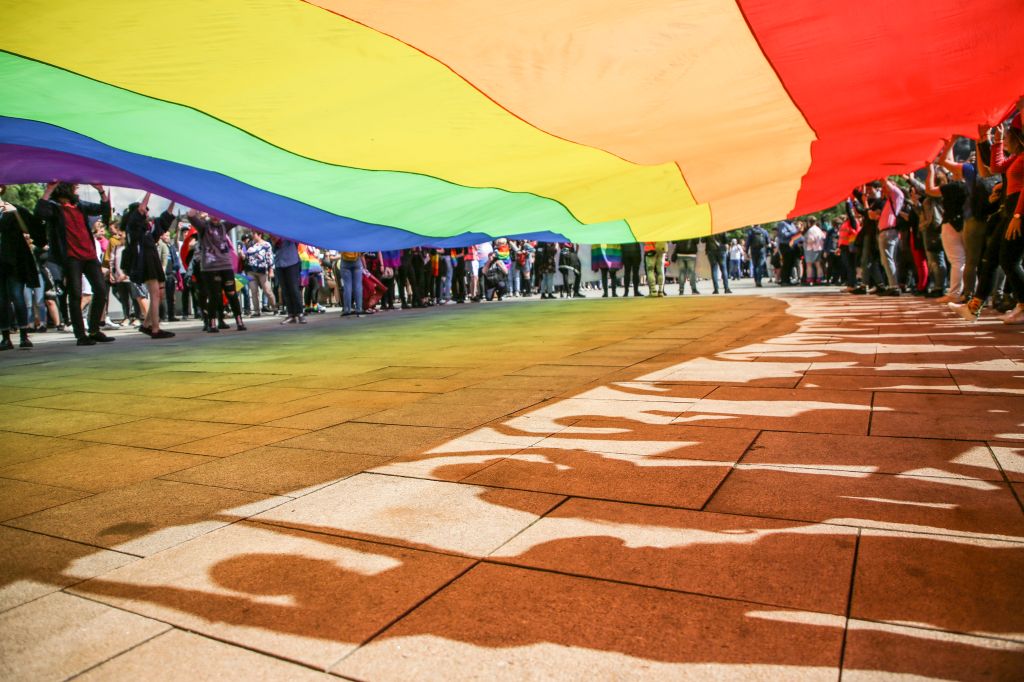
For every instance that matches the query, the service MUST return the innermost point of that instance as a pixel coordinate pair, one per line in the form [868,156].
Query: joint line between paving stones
[849,603]
[357,538]
[732,468]
[120,653]
[510,562]
[1006,477]
[968,535]
[405,613]
[525,528]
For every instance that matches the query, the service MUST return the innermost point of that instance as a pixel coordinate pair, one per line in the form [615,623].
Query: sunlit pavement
[791,485]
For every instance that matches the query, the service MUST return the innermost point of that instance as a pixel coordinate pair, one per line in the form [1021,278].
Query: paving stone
[384,440]
[973,417]
[507,623]
[33,565]
[432,515]
[157,433]
[277,470]
[147,517]
[46,422]
[630,478]
[307,597]
[60,635]
[877,650]
[99,467]
[804,410]
[19,447]
[967,586]
[425,413]
[238,440]
[915,503]
[18,498]
[876,454]
[804,566]
[183,656]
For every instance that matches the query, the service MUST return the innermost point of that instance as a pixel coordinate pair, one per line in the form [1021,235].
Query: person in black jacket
[72,247]
[17,269]
[632,260]
[715,248]
[144,265]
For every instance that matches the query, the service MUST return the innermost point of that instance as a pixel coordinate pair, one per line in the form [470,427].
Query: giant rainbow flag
[381,124]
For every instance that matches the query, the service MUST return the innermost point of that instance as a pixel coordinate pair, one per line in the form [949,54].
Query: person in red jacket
[73,248]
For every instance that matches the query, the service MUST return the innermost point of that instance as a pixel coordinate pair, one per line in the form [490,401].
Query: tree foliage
[23,195]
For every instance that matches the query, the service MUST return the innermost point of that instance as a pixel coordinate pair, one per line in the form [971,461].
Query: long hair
[65,190]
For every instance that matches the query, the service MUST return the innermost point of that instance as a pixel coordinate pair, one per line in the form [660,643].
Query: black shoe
[25,343]
[859,291]
[100,337]
[148,331]
[6,344]
[162,334]
[241,326]
[173,319]
[85,341]
[728,291]
[221,324]
[890,292]
[212,330]
[934,293]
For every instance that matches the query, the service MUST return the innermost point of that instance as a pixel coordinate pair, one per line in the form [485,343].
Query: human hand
[1013,230]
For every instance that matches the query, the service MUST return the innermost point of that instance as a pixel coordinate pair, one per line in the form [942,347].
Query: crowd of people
[949,232]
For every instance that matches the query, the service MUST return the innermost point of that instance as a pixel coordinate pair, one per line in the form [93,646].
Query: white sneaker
[964,311]
[1015,316]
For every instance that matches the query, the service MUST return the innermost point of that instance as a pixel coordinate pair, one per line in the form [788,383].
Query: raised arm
[930,187]
[946,160]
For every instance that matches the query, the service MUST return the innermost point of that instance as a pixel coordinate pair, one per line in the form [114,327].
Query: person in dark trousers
[72,247]
[217,261]
[685,253]
[632,261]
[784,233]
[141,260]
[18,268]
[757,245]
[288,268]
[716,249]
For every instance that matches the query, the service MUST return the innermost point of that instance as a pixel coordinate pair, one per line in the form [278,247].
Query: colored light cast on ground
[368,125]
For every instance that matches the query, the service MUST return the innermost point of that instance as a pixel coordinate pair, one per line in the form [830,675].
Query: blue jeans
[352,280]
[12,303]
[718,266]
[757,265]
[34,306]
[888,243]
[513,278]
[449,274]
[547,283]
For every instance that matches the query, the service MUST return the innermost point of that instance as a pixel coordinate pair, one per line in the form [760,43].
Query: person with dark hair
[72,247]
[632,260]
[216,258]
[716,250]
[1005,245]
[785,231]
[17,269]
[685,253]
[289,272]
[141,260]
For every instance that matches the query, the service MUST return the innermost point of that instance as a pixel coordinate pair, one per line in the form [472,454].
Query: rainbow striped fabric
[367,125]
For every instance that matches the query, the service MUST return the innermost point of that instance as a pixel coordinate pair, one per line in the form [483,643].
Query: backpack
[757,240]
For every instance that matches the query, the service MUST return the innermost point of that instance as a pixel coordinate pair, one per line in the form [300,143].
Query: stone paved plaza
[783,486]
